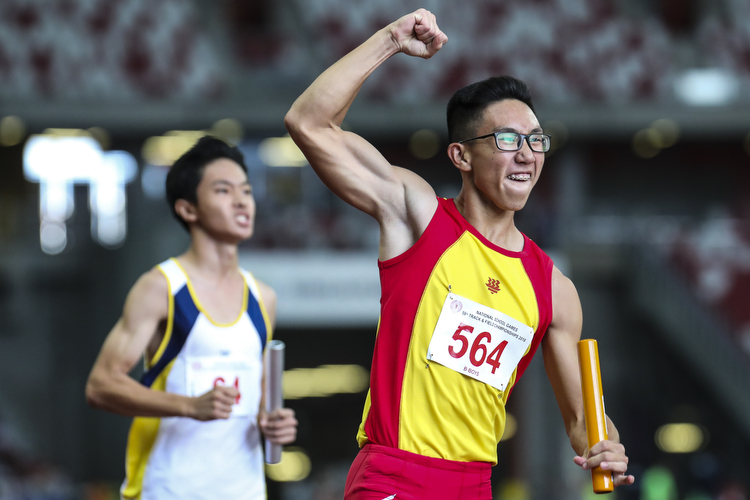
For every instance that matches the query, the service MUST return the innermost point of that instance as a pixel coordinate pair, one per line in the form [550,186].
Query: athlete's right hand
[417,34]
[216,403]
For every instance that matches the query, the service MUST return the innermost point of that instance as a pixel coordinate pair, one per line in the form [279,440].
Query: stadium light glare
[511,427]
[281,152]
[424,144]
[12,131]
[295,465]
[680,438]
[163,150]
[61,158]
[324,381]
[228,129]
[706,87]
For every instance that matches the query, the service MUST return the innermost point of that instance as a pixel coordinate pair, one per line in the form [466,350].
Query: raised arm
[352,168]
[560,352]
[110,386]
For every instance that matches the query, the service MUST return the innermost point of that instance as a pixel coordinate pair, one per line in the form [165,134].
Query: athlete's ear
[186,210]
[460,156]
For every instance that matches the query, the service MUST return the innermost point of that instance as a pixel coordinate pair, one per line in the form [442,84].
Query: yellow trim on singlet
[443,413]
[262,305]
[141,439]
[361,434]
[170,323]
[200,306]
[144,430]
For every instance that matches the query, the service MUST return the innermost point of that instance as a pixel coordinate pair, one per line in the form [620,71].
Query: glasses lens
[507,141]
[539,142]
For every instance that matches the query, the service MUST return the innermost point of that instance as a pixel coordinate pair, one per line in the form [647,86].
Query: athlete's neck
[493,223]
[210,256]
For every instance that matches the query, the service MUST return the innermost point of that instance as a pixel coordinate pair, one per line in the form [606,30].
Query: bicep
[121,350]
[145,308]
[359,174]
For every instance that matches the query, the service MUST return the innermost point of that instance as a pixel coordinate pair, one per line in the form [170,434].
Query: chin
[235,237]
[247,235]
[514,207]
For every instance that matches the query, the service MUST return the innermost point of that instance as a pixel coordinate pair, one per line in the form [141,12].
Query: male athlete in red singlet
[466,297]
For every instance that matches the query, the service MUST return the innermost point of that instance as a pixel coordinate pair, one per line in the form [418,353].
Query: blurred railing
[700,337]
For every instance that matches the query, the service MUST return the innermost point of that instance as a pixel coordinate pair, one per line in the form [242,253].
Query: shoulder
[269,300]
[267,293]
[152,281]
[149,294]
[566,305]
[560,282]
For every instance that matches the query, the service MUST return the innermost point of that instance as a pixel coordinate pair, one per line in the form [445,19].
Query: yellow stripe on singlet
[141,440]
[149,363]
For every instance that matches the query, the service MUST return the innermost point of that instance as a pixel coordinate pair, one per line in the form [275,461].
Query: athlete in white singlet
[202,323]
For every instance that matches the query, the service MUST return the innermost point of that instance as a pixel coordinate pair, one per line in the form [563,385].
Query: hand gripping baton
[593,406]
[274,392]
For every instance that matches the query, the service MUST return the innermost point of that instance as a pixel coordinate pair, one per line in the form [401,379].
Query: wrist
[388,41]
[186,406]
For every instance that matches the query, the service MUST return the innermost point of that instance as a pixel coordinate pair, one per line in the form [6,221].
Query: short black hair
[466,106]
[186,173]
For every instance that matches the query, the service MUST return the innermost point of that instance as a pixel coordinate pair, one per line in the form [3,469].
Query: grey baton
[274,391]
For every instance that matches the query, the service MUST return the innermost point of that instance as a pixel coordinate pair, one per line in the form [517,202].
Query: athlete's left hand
[279,426]
[609,456]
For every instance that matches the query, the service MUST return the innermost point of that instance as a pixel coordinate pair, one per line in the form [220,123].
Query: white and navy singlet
[179,457]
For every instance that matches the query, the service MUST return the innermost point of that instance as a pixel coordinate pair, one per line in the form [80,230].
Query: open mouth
[242,219]
[520,177]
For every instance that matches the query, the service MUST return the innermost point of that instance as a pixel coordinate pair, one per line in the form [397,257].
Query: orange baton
[593,406]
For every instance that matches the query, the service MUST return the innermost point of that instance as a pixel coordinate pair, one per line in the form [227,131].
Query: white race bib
[206,372]
[478,341]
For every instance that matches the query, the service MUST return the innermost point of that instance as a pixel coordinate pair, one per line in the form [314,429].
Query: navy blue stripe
[256,316]
[185,315]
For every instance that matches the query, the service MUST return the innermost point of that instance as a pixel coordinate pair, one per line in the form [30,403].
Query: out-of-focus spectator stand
[568,51]
[26,477]
[715,260]
[104,51]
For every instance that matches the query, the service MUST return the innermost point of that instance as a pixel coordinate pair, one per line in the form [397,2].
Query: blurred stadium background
[644,203]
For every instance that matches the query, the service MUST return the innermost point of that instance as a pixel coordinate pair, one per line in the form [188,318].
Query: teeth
[243,218]
[519,177]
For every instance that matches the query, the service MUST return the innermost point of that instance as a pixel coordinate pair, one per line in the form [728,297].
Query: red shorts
[384,473]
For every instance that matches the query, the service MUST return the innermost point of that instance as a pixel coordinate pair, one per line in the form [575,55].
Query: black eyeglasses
[512,141]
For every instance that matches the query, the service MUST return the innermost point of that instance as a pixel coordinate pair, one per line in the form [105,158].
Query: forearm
[327,100]
[122,395]
[579,439]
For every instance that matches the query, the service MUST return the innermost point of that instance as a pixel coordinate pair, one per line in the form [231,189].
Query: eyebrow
[536,130]
[229,183]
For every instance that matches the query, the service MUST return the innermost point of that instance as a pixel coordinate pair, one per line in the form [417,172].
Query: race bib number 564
[478,341]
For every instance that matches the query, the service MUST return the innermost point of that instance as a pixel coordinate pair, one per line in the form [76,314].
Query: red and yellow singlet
[422,406]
